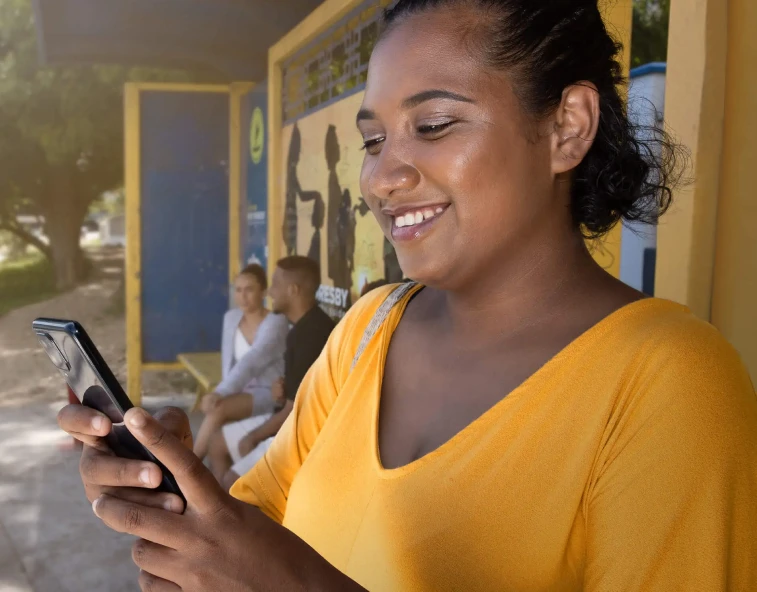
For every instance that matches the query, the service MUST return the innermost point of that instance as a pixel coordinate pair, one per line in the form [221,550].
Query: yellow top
[627,462]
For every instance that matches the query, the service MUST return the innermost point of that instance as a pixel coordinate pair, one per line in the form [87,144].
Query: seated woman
[252,356]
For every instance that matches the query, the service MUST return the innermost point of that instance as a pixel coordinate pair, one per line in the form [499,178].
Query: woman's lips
[413,224]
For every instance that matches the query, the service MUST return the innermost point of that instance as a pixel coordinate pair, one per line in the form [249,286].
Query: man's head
[294,284]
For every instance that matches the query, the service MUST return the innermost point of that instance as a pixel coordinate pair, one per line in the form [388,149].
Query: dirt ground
[27,374]
[49,539]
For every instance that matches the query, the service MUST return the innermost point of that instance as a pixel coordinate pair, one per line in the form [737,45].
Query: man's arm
[268,430]
[274,423]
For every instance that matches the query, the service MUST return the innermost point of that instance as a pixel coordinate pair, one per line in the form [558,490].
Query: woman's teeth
[413,218]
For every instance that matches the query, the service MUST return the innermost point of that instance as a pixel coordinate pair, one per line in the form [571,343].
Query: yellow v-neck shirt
[627,462]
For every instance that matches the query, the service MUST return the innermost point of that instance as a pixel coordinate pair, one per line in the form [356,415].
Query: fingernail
[97,423]
[144,476]
[170,505]
[138,419]
[94,506]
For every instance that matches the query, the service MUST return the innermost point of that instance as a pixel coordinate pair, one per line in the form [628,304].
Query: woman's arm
[673,501]
[268,346]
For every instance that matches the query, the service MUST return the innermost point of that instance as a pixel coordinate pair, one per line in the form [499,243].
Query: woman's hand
[102,472]
[218,543]
[209,402]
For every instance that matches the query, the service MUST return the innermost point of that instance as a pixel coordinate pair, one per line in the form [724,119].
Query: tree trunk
[64,213]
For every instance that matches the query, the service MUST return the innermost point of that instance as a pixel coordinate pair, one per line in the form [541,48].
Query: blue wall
[185,216]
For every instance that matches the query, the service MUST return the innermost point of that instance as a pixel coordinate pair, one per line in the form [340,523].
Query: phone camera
[51,349]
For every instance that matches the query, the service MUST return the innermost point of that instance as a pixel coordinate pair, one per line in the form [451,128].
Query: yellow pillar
[734,298]
[695,93]
[133,271]
[618,19]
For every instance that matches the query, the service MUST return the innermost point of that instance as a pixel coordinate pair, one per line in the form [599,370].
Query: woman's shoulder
[364,310]
[664,325]
[664,340]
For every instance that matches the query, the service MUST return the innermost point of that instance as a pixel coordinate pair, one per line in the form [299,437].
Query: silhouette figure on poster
[289,229]
[293,191]
[392,270]
[340,228]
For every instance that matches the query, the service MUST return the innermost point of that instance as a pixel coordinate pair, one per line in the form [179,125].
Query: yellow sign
[257,135]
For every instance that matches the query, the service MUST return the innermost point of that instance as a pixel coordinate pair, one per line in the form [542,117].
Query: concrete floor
[49,539]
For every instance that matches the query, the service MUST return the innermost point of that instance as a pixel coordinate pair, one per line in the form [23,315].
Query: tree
[61,139]
[649,39]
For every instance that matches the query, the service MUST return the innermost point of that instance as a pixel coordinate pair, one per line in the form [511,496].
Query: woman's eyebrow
[429,95]
[417,99]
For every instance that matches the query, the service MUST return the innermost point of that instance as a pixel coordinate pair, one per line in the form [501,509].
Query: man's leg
[244,465]
[218,456]
[231,408]
[229,479]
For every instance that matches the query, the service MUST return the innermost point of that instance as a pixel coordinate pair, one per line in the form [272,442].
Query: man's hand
[209,402]
[277,391]
[218,543]
[102,472]
[248,443]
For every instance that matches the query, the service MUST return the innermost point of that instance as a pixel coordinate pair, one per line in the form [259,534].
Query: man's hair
[304,272]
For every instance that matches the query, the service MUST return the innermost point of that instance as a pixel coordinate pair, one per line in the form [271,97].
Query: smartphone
[75,356]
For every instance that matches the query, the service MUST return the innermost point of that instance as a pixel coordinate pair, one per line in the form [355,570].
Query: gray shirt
[264,361]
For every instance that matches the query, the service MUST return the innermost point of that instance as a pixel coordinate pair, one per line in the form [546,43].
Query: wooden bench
[205,367]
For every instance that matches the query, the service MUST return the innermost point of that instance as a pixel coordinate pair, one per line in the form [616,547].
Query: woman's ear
[575,126]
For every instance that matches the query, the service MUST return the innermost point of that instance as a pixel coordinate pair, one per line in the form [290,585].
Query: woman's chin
[434,274]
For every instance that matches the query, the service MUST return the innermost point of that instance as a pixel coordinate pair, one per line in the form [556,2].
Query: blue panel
[185,215]
[255,157]
[650,68]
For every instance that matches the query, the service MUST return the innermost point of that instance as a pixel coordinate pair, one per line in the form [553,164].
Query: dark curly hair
[548,45]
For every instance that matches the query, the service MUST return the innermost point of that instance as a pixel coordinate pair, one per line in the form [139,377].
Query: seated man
[295,282]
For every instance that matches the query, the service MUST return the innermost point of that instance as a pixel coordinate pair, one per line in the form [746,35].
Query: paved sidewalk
[49,539]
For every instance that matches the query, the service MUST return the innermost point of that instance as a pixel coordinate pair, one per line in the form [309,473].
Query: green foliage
[25,281]
[61,131]
[649,38]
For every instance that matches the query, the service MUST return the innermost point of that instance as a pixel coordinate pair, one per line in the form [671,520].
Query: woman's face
[456,174]
[248,293]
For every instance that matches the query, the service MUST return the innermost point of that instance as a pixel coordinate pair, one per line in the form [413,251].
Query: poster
[255,153]
[324,216]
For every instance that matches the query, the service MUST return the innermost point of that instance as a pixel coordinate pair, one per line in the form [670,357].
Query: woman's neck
[253,316]
[552,280]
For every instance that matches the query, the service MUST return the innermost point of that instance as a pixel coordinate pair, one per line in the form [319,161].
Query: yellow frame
[132,176]
[619,22]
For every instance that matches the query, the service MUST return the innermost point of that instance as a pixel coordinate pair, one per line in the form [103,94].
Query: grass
[25,281]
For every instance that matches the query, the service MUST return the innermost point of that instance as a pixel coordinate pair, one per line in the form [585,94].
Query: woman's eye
[433,129]
[372,145]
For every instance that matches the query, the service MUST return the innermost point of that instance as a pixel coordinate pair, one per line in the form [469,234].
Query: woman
[519,419]
[252,358]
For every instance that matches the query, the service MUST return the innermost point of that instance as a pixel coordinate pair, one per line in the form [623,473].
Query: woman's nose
[390,175]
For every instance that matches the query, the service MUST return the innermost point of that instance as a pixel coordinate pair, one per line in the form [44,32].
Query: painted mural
[324,215]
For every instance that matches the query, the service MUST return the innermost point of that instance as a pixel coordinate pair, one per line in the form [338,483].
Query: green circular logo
[257,135]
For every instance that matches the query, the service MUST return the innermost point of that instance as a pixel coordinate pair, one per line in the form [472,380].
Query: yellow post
[618,18]
[133,244]
[236,91]
[734,297]
[694,108]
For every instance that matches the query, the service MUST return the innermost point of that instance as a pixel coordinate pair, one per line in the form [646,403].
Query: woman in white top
[252,358]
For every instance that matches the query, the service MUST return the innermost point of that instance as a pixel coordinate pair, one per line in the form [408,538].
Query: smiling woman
[515,419]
